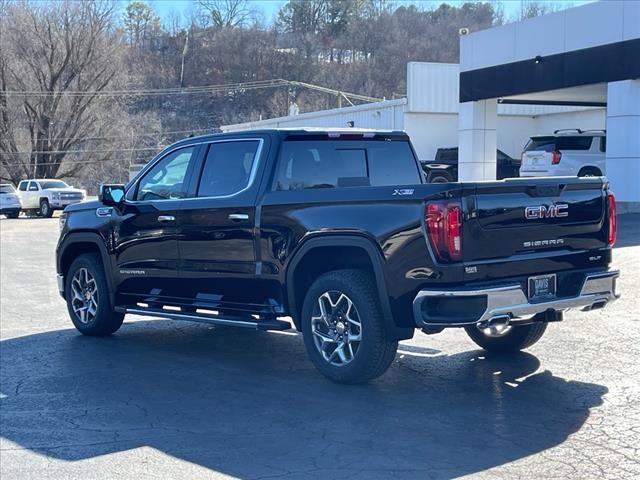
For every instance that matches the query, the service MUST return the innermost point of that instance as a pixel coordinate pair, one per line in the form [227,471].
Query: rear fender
[375,256]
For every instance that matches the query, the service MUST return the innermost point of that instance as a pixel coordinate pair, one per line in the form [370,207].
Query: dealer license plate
[542,287]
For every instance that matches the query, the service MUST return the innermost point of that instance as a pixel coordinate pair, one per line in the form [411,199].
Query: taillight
[444,226]
[556,156]
[613,224]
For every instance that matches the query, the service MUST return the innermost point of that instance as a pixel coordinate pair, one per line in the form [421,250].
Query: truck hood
[82,206]
[66,190]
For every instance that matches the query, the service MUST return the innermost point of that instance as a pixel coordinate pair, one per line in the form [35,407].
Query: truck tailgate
[551,215]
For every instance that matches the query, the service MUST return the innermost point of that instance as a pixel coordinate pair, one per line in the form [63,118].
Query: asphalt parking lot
[164,399]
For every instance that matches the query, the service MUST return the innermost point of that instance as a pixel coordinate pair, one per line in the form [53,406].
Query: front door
[145,235]
[217,250]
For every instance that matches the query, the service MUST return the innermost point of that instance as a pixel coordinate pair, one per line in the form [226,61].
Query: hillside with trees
[88,88]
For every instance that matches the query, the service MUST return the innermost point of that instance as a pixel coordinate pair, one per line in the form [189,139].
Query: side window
[393,163]
[167,178]
[603,144]
[227,168]
[33,187]
[574,143]
[323,164]
[23,186]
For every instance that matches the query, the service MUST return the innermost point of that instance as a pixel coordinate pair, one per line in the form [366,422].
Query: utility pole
[184,53]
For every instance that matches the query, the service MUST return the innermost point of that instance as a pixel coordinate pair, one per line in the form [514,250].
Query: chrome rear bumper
[510,301]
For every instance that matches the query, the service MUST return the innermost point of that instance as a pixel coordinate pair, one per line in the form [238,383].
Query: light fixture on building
[538,59]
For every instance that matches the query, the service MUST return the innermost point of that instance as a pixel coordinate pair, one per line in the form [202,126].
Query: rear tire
[13,215]
[45,210]
[352,310]
[439,177]
[88,300]
[589,172]
[514,339]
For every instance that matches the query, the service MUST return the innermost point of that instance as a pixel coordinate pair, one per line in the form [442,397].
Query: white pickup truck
[44,196]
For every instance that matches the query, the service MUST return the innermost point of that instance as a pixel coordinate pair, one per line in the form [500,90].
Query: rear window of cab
[305,164]
[549,144]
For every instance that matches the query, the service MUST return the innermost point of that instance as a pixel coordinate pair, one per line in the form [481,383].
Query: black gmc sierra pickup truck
[338,232]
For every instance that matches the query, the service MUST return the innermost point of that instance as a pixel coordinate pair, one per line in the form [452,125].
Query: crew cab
[336,234]
[44,196]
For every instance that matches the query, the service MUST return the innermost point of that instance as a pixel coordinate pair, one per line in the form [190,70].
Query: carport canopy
[584,56]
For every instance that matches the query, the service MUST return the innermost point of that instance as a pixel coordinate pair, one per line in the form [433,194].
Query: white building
[578,68]
[429,114]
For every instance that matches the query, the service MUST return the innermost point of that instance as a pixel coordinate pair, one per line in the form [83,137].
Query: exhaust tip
[596,305]
[498,320]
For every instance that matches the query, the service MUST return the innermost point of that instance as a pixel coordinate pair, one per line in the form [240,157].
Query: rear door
[33,194]
[217,249]
[22,192]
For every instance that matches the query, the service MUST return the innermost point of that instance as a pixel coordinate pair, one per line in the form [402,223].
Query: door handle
[166,218]
[238,216]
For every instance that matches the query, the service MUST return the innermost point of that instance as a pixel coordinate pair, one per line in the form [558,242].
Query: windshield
[53,184]
[6,188]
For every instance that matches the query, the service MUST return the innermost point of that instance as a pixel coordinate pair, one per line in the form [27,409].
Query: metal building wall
[388,115]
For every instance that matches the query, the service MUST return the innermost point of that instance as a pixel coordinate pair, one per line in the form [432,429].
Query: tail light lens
[556,156]
[613,224]
[444,227]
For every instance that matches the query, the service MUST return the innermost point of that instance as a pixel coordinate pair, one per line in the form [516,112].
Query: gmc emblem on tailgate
[542,211]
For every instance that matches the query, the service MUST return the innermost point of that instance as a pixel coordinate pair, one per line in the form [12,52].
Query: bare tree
[535,8]
[56,60]
[227,13]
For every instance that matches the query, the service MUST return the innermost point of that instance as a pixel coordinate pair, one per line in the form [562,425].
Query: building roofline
[318,113]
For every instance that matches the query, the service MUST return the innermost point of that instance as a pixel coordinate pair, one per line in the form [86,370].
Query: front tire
[509,339]
[45,210]
[88,300]
[343,327]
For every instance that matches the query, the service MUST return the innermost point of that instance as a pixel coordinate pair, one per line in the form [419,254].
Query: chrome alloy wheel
[85,295]
[496,331]
[336,328]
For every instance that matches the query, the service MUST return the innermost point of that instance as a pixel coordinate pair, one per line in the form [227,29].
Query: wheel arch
[353,251]
[79,243]
[590,167]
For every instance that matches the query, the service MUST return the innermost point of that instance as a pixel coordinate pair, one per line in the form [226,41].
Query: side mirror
[111,195]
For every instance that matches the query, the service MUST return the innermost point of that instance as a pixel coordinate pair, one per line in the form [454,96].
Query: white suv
[45,196]
[9,201]
[565,153]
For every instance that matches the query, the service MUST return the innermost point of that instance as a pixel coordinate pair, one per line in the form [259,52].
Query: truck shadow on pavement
[249,404]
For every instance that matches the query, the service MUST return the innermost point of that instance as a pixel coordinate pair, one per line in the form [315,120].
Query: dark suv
[335,232]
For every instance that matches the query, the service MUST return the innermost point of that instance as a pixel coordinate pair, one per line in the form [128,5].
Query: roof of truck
[291,131]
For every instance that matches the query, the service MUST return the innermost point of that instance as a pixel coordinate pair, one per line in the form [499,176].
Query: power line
[159,91]
[124,136]
[65,162]
[221,88]
[83,151]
